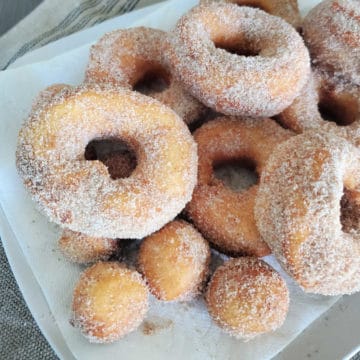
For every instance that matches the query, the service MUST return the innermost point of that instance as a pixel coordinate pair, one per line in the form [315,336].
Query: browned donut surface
[223,216]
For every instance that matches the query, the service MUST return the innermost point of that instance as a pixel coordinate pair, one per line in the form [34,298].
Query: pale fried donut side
[83,249]
[259,85]
[109,302]
[123,57]
[79,194]
[223,216]
[298,211]
[332,34]
[175,261]
[246,297]
[286,9]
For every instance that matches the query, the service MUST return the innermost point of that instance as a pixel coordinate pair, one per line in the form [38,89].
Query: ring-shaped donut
[79,194]
[259,85]
[298,212]
[225,217]
[126,56]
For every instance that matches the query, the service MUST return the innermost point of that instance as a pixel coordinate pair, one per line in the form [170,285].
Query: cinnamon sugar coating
[332,34]
[298,211]
[109,302]
[123,57]
[83,249]
[175,261]
[258,85]
[286,9]
[79,194]
[246,297]
[223,216]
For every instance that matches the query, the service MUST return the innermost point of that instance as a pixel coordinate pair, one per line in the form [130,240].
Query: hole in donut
[238,175]
[153,81]
[237,48]
[119,158]
[342,113]
[350,211]
[253,4]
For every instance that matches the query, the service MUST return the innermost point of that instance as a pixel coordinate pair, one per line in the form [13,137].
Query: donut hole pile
[115,161]
[237,174]
[119,158]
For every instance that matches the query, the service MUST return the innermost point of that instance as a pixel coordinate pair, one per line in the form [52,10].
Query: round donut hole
[238,175]
[119,158]
[340,112]
[153,81]
[350,211]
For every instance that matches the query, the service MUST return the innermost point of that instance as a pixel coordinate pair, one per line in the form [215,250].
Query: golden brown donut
[327,103]
[286,9]
[246,297]
[298,212]
[109,301]
[136,58]
[83,249]
[332,34]
[223,216]
[175,261]
[79,194]
[239,60]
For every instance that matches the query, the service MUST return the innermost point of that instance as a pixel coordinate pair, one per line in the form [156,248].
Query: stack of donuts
[132,153]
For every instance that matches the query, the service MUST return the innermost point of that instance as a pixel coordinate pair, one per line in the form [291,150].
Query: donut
[109,302]
[46,95]
[326,103]
[175,261]
[79,194]
[223,216]
[298,212]
[303,114]
[239,60]
[246,297]
[332,34]
[286,9]
[136,59]
[83,249]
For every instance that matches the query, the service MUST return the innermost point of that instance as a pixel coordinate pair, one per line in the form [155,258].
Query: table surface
[15,317]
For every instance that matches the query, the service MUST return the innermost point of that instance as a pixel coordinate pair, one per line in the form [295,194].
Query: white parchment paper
[181,330]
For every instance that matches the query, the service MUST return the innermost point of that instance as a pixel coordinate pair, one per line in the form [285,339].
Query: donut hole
[119,158]
[350,211]
[238,175]
[155,80]
[340,111]
[238,47]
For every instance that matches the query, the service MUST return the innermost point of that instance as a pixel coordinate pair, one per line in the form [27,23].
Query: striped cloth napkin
[54,19]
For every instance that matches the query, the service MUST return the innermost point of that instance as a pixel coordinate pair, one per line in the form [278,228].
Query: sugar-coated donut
[327,103]
[79,194]
[109,301]
[83,249]
[286,9]
[332,33]
[223,216]
[298,211]
[126,56]
[303,114]
[246,297]
[259,85]
[175,261]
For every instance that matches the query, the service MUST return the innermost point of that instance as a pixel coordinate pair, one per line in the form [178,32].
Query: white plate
[342,319]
